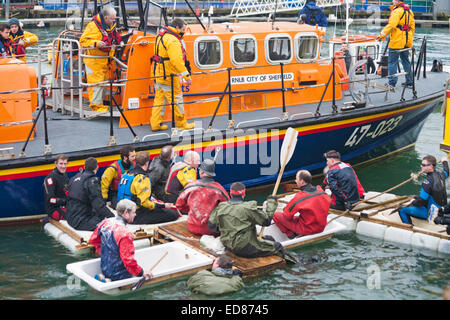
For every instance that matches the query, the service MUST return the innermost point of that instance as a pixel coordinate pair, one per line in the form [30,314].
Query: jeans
[394,54]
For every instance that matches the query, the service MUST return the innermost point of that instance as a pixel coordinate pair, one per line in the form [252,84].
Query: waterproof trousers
[163,97]
[96,71]
[289,227]
[157,215]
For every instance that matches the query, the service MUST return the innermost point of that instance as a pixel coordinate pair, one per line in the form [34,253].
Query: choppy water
[33,265]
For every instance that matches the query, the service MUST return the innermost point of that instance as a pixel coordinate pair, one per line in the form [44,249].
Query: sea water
[347,266]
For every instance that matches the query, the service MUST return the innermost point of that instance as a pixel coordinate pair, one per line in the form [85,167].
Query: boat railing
[58,79]
[61,84]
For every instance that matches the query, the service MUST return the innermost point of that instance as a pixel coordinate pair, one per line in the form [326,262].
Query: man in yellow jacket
[100,37]
[169,58]
[113,173]
[20,39]
[401,27]
[135,185]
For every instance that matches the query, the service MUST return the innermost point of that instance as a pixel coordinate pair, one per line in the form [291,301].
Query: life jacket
[109,36]
[405,27]
[76,186]
[439,192]
[158,59]
[5,48]
[173,174]
[16,48]
[124,188]
[120,170]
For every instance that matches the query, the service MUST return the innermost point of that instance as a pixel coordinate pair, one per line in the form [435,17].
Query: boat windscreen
[155,16]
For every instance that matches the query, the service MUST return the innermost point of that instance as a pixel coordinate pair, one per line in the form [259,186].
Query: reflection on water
[347,266]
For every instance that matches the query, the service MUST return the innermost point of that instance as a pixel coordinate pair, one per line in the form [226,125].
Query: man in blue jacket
[433,191]
[312,14]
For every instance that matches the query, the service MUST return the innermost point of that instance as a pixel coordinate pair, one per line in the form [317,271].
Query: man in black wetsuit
[433,191]
[55,189]
[86,206]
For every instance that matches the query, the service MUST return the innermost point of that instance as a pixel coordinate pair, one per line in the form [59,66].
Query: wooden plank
[374,205]
[249,266]
[388,223]
[294,245]
[138,235]
[169,276]
[67,230]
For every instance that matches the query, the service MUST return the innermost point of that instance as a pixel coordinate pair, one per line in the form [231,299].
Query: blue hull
[358,137]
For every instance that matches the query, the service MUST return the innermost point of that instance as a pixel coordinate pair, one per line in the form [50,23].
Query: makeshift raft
[379,218]
[187,256]
[249,267]
[77,241]
[175,260]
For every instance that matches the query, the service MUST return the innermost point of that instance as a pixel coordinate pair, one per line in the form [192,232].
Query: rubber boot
[184,125]
[98,107]
[161,127]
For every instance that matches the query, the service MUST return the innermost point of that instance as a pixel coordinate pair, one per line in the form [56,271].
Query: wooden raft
[85,244]
[250,267]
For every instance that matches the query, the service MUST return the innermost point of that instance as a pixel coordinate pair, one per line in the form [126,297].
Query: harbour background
[347,266]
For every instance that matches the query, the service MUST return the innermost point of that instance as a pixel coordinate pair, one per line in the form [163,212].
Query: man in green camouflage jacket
[236,221]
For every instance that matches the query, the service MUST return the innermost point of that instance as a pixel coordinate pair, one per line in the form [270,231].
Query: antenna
[195,15]
[274,13]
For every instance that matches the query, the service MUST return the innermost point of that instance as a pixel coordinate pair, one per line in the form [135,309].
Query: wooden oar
[287,150]
[390,189]
[139,284]
[365,200]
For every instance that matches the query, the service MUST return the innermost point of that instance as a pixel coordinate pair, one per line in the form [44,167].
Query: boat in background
[251,81]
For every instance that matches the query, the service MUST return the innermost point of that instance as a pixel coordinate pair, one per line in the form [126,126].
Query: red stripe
[448,94]
[211,148]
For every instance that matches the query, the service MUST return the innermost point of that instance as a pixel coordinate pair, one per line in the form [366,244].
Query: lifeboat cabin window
[243,50]
[208,52]
[371,51]
[278,49]
[306,47]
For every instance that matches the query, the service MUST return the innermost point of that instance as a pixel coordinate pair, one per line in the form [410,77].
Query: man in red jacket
[311,204]
[114,243]
[200,197]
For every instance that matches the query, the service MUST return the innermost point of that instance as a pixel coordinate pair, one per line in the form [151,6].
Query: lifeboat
[251,81]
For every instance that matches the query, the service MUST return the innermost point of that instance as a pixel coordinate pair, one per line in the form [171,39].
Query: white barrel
[444,246]
[52,230]
[398,235]
[68,242]
[349,223]
[420,240]
[371,229]
[141,243]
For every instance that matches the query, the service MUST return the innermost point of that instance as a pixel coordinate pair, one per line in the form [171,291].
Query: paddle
[139,284]
[287,150]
